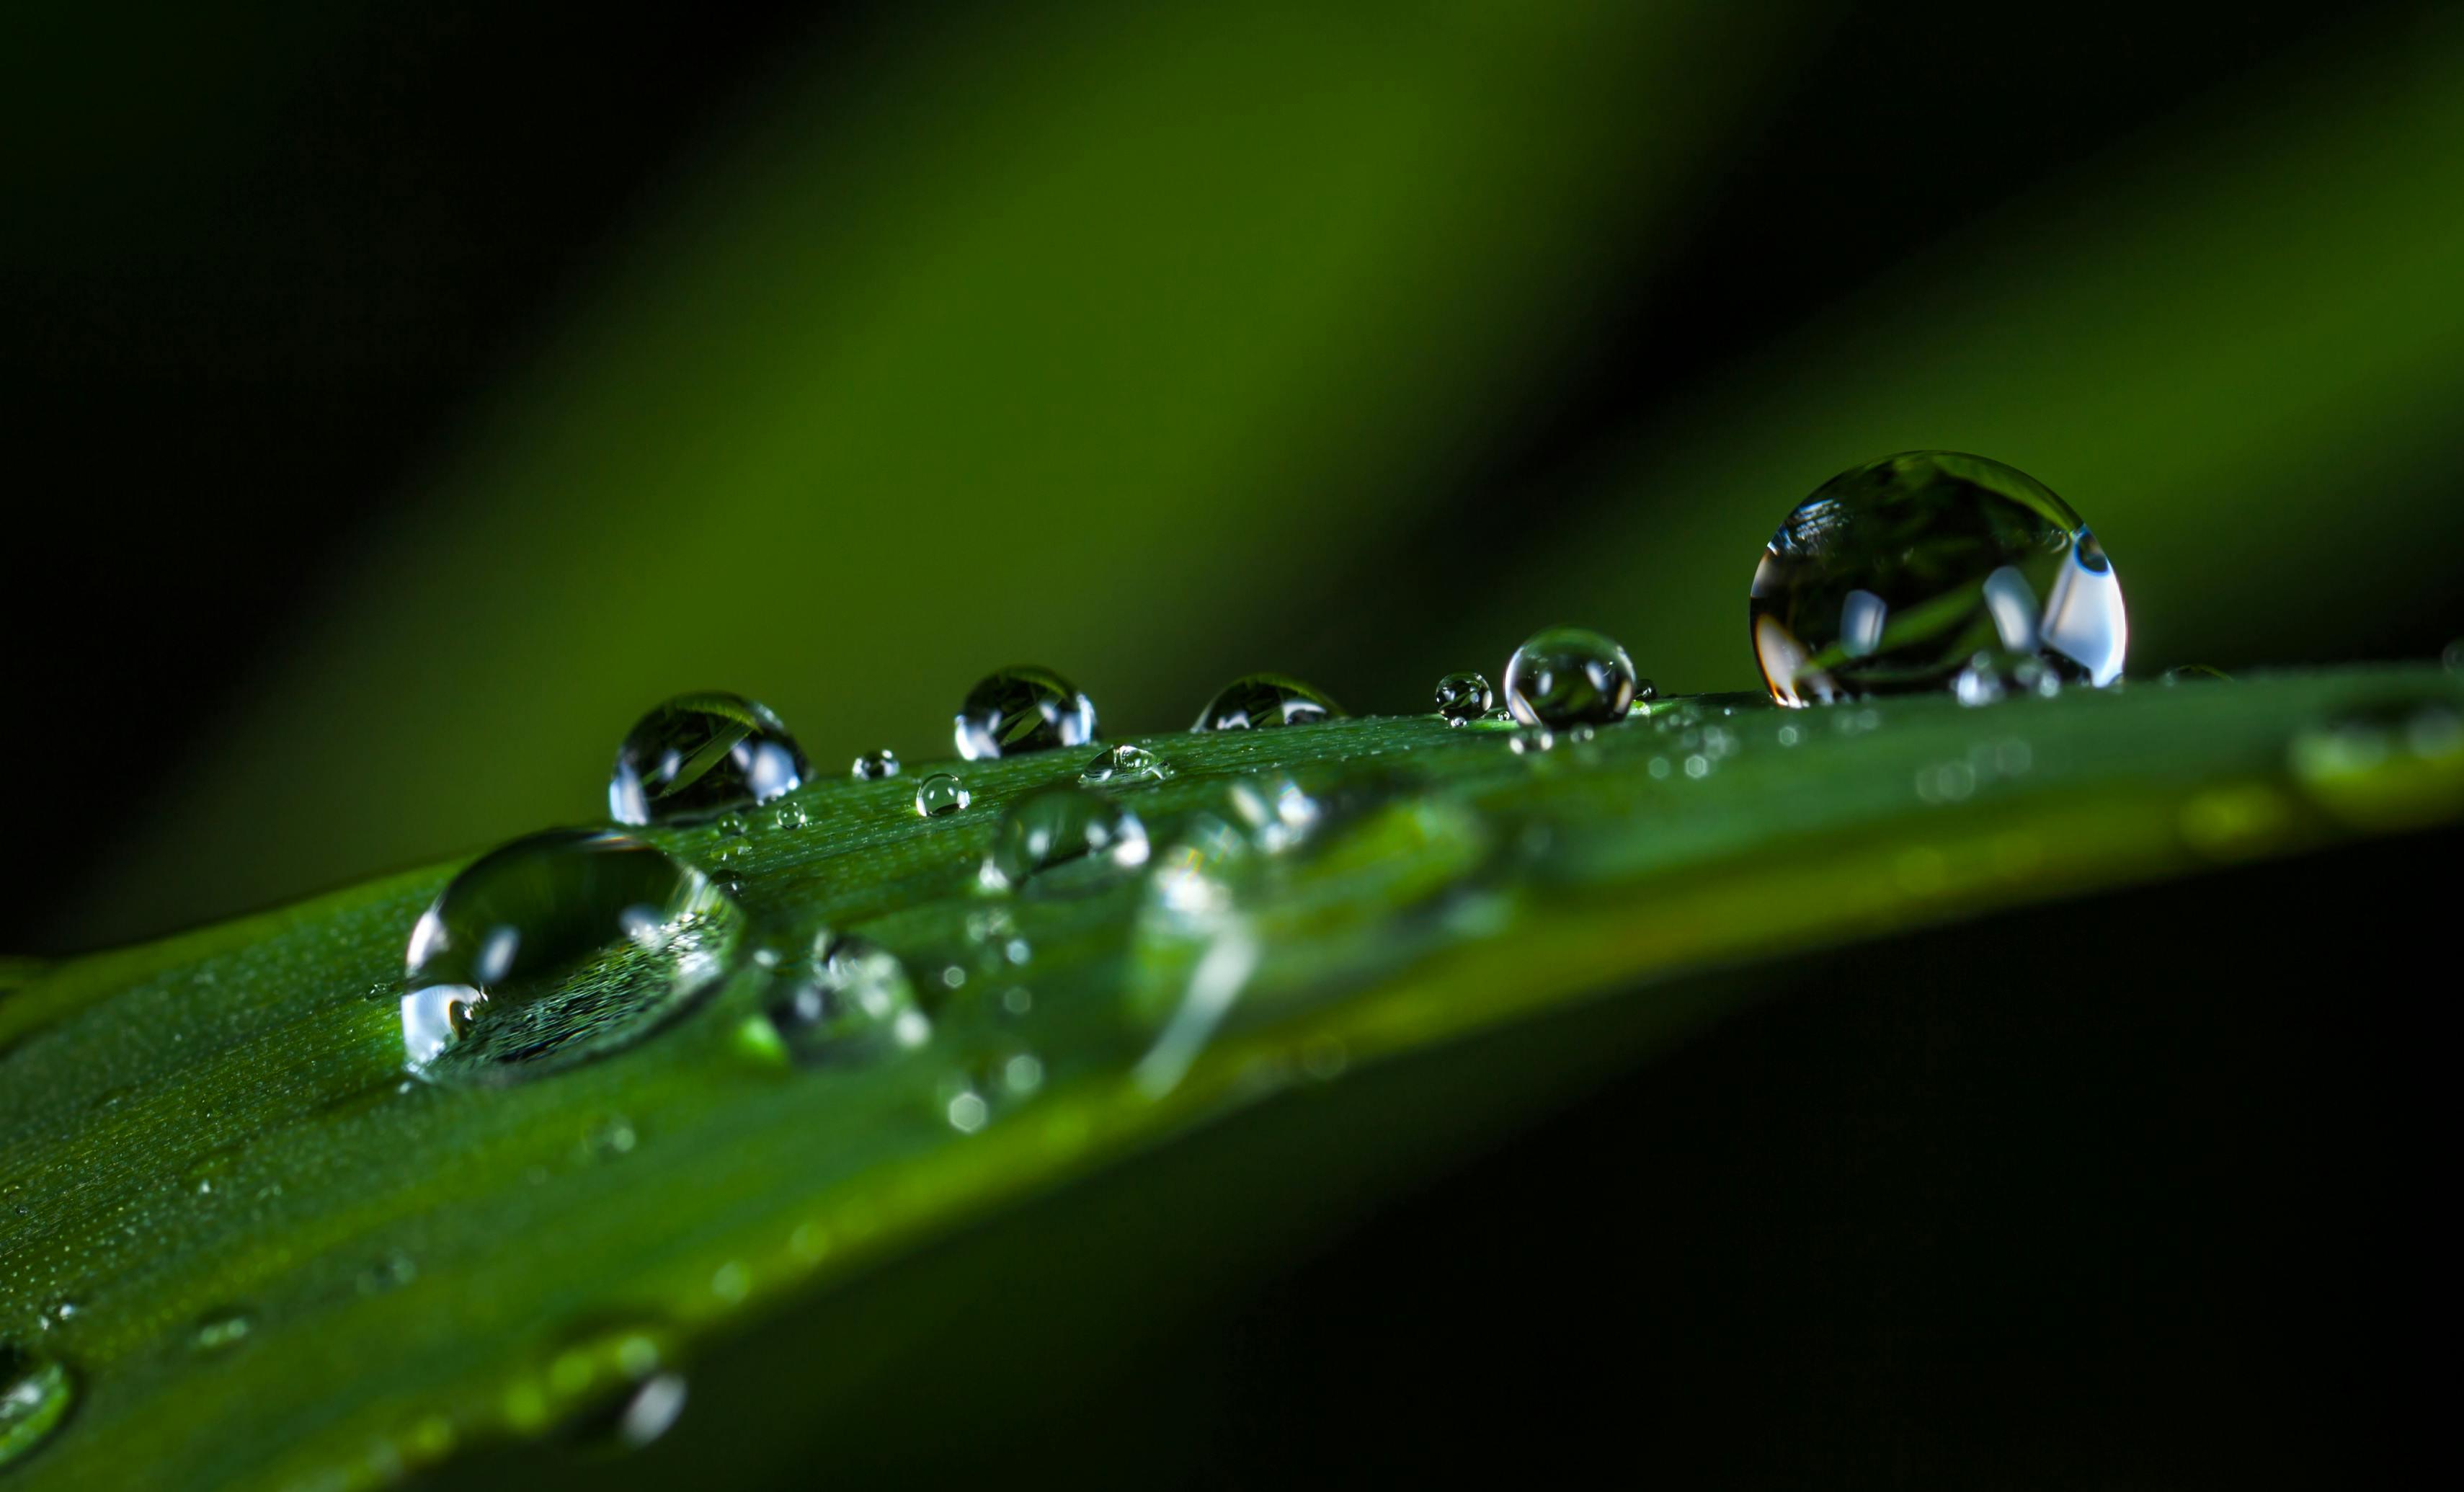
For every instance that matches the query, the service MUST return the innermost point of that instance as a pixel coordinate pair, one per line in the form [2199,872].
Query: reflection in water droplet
[2196,674]
[941,794]
[698,754]
[1258,701]
[222,1330]
[37,1391]
[1893,575]
[557,949]
[1020,710]
[1994,674]
[1568,676]
[1064,838]
[1463,697]
[1125,764]
[874,765]
[850,1001]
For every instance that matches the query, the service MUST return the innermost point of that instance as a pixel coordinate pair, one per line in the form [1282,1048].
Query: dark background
[291,294]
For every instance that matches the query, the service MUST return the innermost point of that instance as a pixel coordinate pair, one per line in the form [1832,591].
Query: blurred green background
[408,396]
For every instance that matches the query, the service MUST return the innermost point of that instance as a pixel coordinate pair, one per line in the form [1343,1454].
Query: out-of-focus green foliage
[214,1130]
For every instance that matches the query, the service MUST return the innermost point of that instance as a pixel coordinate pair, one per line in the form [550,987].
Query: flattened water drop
[849,1000]
[941,794]
[1463,697]
[37,1391]
[1064,839]
[1120,764]
[874,765]
[557,949]
[1259,701]
[1020,710]
[1565,677]
[699,754]
[1893,576]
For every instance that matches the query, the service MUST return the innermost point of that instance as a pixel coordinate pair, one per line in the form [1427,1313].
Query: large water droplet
[1893,575]
[1023,708]
[1064,839]
[1567,677]
[556,948]
[1257,701]
[1118,764]
[1463,697]
[700,754]
[37,1391]
[849,1001]
[941,794]
[874,765]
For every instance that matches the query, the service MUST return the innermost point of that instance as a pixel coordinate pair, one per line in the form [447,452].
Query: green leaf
[261,1256]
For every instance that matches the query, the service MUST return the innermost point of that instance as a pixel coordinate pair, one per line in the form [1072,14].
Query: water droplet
[1566,676]
[556,948]
[1257,701]
[2196,674]
[613,1135]
[1125,764]
[1064,839]
[941,794]
[388,1274]
[222,1330]
[37,1391]
[1274,811]
[850,1001]
[1023,708]
[2389,765]
[874,765]
[1893,575]
[1994,674]
[699,754]
[1463,697]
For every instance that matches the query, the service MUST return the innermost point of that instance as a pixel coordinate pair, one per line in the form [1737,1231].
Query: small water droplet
[391,1273]
[612,1136]
[2196,674]
[58,1315]
[222,1330]
[1463,697]
[556,948]
[941,794]
[1994,674]
[874,765]
[850,1001]
[698,754]
[1257,701]
[1117,764]
[1894,574]
[968,1112]
[1064,839]
[1020,710]
[1566,676]
[37,1391]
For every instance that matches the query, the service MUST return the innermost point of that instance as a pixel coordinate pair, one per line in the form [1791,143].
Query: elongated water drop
[1463,697]
[1569,677]
[37,1391]
[1258,701]
[556,948]
[874,765]
[941,794]
[1020,710]
[1119,764]
[1892,576]
[1064,838]
[847,1000]
[702,754]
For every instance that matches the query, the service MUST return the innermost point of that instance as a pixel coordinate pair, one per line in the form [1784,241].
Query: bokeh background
[405,396]
[402,397]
